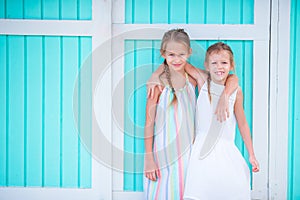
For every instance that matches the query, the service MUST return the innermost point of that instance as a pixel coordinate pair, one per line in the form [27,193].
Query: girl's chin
[178,67]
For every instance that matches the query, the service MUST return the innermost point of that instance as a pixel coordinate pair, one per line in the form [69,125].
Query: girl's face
[219,65]
[176,55]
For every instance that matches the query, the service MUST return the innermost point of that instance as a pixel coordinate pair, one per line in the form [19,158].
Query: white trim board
[47,27]
[195,31]
[48,193]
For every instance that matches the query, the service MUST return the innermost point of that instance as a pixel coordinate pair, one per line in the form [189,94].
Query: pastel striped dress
[173,137]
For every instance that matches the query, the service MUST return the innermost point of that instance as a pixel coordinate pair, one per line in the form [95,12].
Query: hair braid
[168,76]
[208,87]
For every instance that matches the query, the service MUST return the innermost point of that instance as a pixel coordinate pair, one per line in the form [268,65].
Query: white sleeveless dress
[217,170]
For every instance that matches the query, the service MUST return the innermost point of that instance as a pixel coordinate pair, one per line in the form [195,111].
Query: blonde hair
[177,35]
[216,48]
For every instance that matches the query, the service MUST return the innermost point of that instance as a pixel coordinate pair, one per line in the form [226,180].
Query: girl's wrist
[149,155]
[252,156]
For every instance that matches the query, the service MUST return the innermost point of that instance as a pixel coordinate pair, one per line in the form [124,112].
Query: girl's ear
[190,51]
[206,66]
[162,53]
[232,66]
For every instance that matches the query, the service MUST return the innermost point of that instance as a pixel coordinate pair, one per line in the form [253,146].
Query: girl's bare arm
[151,169]
[244,129]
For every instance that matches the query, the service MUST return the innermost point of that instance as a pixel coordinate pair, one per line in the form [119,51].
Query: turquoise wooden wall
[189,11]
[294,108]
[46,9]
[39,141]
[142,61]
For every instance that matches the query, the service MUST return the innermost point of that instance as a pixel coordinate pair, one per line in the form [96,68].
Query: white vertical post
[118,17]
[279,93]
[101,80]
[261,99]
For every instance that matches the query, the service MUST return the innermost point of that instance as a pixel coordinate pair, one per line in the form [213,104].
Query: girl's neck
[177,72]
[218,82]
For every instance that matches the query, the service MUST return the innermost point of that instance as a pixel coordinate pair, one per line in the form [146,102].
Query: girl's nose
[178,57]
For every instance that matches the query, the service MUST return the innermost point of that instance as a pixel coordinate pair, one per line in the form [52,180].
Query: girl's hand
[151,170]
[222,110]
[151,84]
[254,163]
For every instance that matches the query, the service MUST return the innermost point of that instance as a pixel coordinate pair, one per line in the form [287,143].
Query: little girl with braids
[169,128]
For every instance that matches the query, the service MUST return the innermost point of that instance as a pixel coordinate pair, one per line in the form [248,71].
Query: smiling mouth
[219,73]
[176,65]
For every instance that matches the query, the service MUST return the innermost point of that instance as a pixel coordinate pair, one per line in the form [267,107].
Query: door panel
[248,52]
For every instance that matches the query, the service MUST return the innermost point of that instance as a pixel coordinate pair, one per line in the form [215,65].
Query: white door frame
[259,32]
[279,99]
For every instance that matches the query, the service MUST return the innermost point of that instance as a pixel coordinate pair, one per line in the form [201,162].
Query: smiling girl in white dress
[216,168]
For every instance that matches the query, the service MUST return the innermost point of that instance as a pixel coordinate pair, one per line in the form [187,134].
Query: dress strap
[187,78]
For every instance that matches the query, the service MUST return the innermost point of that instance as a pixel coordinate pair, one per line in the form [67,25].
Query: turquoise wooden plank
[238,55]
[51,9]
[190,11]
[296,119]
[233,12]
[15,137]
[141,11]
[156,56]
[248,63]
[51,115]
[143,70]
[247,49]
[293,56]
[214,12]
[178,12]
[69,137]
[128,12]
[291,101]
[2,9]
[3,110]
[294,109]
[196,11]
[247,12]
[14,9]
[84,9]
[34,111]
[32,9]
[159,12]
[128,112]
[68,9]
[85,123]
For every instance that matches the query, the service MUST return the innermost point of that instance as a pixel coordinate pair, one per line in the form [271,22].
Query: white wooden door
[258,32]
